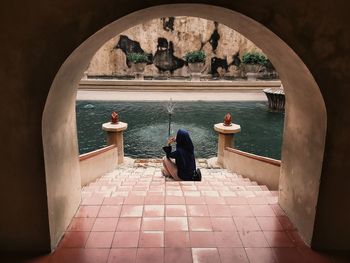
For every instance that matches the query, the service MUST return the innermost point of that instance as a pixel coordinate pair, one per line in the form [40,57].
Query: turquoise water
[262,130]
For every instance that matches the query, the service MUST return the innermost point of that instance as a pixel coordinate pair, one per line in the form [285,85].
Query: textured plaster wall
[262,172]
[95,166]
[38,36]
[219,42]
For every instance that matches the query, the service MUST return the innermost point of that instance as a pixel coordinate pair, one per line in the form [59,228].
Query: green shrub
[137,57]
[197,56]
[254,58]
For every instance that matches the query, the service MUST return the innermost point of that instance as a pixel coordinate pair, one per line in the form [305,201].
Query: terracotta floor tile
[233,255]
[154,200]
[177,239]
[124,255]
[139,191]
[129,224]
[262,210]
[175,210]
[176,224]
[200,224]
[100,240]
[219,210]
[227,193]
[191,193]
[92,201]
[177,255]
[214,200]
[278,210]
[134,200]
[245,193]
[87,211]
[175,192]
[257,200]
[227,239]
[264,193]
[253,239]
[138,213]
[74,255]
[202,239]
[278,239]
[119,193]
[289,255]
[195,200]
[205,255]
[81,224]
[151,239]
[241,210]
[189,188]
[74,239]
[295,238]
[269,223]
[223,224]
[153,210]
[209,193]
[153,223]
[246,224]
[197,210]
[126,239]
[175,200]
[204,187]
[105,224]
[260,255]
[286,223]
[110,211]
[131,211]
[150,255]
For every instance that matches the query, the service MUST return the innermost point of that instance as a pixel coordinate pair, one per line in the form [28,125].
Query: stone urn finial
[228,119]
[114,117]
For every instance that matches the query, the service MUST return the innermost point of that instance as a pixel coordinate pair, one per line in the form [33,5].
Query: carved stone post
[226,138]
[115,136]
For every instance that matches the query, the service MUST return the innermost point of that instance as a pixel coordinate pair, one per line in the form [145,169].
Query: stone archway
[304,131]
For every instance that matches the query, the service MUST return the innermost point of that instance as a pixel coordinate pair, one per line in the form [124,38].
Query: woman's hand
[171,140]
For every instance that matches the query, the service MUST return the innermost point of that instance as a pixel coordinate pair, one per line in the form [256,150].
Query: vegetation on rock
[138,58]
[197,56]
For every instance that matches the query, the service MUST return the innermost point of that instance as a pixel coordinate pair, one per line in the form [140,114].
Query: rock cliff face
[166,41]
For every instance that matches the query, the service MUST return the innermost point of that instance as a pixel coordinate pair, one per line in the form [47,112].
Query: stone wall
[40,82]
[167,40]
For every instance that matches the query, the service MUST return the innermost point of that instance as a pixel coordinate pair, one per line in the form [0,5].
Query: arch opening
[304,128]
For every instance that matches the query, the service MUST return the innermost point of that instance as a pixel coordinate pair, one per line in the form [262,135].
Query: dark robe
[183,155]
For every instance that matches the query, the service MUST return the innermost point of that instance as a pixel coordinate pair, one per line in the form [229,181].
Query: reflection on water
[148,126]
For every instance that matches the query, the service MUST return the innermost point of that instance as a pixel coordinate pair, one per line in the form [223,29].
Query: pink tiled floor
[134,215]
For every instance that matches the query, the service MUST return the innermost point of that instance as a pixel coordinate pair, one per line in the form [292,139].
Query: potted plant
[138,63]
[195,61]
[253,63]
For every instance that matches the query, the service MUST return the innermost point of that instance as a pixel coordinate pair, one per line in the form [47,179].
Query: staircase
[133,214]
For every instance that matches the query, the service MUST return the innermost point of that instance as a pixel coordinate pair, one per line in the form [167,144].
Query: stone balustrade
[115,137]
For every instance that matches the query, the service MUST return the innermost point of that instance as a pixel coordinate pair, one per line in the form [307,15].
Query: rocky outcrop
[166,41]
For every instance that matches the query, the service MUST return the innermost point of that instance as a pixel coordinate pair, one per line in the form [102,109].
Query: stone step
[138,181]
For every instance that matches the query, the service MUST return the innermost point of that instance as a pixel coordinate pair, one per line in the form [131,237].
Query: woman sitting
[185,163]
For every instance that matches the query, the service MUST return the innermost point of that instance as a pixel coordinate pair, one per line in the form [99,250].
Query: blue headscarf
[184,141]
[185,159]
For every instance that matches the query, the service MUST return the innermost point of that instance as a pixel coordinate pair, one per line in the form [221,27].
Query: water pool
[261,134]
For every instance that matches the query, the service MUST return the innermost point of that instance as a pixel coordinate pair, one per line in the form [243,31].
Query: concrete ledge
[257,168]
[168,85]
[96,163]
